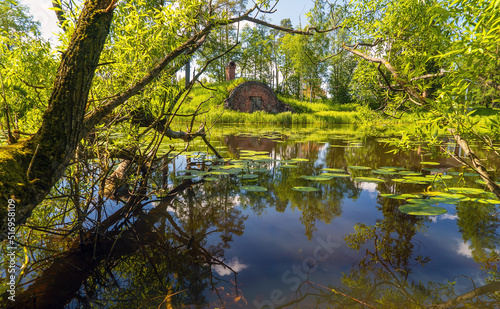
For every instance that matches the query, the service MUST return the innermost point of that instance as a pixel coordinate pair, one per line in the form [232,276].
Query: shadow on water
[191,233]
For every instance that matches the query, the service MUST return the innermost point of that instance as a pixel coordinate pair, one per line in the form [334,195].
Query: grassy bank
[316,112]
[306,112]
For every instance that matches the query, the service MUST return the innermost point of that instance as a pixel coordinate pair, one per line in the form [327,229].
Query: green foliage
[27,67]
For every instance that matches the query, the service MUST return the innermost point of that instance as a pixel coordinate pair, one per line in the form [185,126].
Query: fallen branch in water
[340,293]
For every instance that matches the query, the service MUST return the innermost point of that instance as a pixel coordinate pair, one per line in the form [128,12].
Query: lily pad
[259,170]
[219,173]
[253,188]
[445,177]
[392,168]
[306,189]
[300,159]
[445,195]
[322,177]
[444,200]
[359,167]
[247,176]
[334,170]
[232,166]
[482,182]
[288,166]
[337,175]
[436,170]
[421,201]
[186,177]
[479,200]
[410,173]
[369,179]
[421,210]
[401,196]
[429,163]
[385,172]
[463,174]
[466,190]
[417,179]
[199,173]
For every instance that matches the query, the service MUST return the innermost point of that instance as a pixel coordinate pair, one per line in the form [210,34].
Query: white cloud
[447,216]
[463,249]
[369,186]
[234,264]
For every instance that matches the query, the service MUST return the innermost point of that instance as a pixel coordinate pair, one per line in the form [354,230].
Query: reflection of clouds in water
[463,249]
[322,151]
[445,216]
[370,187]
[234,264]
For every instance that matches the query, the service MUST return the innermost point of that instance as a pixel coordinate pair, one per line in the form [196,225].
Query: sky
[293,9]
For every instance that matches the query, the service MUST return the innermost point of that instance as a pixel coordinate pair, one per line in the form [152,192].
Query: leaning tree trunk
[29,169]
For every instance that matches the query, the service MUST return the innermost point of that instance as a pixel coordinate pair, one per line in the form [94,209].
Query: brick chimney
[230,71]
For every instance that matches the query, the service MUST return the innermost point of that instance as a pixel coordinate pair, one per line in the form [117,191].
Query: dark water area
[241,233]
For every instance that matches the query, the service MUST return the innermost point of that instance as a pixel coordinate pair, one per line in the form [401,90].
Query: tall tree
[30,168]
[435,56]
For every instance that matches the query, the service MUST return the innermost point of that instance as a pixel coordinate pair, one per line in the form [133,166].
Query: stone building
[253,96]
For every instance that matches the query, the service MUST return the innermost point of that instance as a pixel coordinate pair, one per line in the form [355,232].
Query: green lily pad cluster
[425,204]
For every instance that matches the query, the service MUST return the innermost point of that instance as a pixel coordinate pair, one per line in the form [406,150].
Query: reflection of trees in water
[479,224]
[318,206]
[123,254]
[382,279]
[126,253]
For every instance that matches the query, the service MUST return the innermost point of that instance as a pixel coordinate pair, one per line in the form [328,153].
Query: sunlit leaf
[401,196]
[466,190]
[334,170]
[429,163]
[369,179]
[359,167]
[306,189]
[422,210]
[322,177]
[337,175]
[248,176]
[385,172]
[253,188]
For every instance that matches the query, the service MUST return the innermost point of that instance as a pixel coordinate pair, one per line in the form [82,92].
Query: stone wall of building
[254,96]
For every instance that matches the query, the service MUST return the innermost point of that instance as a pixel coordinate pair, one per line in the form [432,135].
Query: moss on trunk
[47,154]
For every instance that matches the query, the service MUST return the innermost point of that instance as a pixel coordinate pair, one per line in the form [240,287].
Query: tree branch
[427,76]
[489,288]
[193,43]
[415,96]
[308,31]
[476,163]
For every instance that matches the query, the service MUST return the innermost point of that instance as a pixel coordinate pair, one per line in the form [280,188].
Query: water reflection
[152,239]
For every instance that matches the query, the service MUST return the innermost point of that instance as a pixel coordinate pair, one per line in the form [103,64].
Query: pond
[290,218]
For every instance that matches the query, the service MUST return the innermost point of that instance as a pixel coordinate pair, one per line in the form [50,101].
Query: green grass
[316,112]
[306,112]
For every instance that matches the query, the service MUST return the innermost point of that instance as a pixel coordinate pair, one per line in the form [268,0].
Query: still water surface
[343,245]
